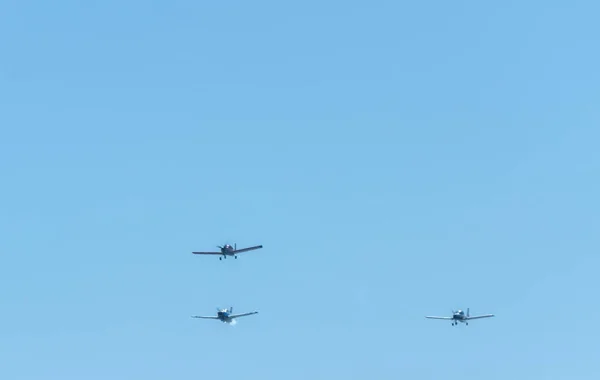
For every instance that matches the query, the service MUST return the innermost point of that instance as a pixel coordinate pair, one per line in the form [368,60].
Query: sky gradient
[395,159]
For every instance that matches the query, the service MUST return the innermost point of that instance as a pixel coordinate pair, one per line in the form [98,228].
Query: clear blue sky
[396,160]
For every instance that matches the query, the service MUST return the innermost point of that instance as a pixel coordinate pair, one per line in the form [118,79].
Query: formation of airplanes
[224,315]
[227,316]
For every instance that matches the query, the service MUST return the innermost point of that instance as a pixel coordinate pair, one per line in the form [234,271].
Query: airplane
[225,315]
[459,316]
[228,250]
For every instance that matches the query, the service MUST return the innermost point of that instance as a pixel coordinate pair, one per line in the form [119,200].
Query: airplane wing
[199,316]
[242,315]
[248,249]
[481,316]
[446,318]
[207,253]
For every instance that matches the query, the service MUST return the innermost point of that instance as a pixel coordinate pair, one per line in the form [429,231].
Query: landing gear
[235,257]
[220,258]
[467,323]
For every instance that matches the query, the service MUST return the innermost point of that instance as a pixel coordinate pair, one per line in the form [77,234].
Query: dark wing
[481,316]
[207,253]
[248,249]
[242,315]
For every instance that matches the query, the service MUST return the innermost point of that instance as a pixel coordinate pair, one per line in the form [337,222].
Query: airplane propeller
[230,310]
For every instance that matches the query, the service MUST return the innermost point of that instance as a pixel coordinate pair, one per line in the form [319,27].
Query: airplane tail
[468,315]
[230,309]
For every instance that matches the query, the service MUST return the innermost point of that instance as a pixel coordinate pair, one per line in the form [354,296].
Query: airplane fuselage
[459,317]
[228,250]
[224,317]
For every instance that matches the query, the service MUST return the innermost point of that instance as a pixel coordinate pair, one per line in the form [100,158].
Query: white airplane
[225,315]
[459,316]
[228,250]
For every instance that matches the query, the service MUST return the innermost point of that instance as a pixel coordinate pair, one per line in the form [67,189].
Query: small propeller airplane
[459,316]
[225,315]
[228,250]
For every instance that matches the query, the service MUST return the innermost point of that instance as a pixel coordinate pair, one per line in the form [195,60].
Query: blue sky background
[396,159]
